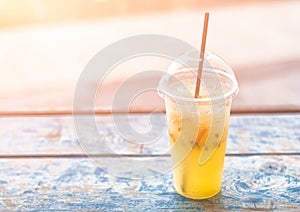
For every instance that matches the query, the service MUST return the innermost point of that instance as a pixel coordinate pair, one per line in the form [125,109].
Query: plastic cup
[198,127]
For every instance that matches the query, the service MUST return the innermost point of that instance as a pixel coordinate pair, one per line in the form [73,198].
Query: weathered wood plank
[56,135]
[252,183]
[265,133]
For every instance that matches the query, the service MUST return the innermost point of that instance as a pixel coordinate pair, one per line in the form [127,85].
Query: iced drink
[198,129]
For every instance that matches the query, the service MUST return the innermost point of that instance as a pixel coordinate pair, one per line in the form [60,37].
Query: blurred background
[45,45]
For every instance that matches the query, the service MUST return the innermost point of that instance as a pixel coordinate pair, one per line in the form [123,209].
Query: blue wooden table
[43,167]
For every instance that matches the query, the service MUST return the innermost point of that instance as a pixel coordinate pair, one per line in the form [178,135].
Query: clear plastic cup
[198,127]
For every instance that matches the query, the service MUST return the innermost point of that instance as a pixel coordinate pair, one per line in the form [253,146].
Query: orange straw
[200,66]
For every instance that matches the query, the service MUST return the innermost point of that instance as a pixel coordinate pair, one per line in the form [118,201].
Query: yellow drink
[193,179]
[198,128]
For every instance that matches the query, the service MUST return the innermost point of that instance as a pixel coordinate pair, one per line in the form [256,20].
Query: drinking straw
[200,65]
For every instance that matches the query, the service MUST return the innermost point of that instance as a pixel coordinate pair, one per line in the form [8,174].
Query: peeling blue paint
[242,185]
[30,192]
[110,191]
[3,182]
[249,183]
[99,171]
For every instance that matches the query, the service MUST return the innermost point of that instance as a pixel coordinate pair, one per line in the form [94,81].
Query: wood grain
[249,183]
[55,135]
[42,167]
